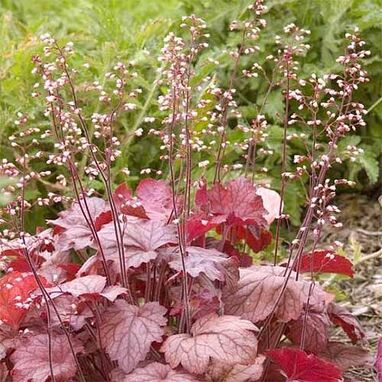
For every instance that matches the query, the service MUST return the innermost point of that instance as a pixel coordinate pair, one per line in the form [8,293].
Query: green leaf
[369,162]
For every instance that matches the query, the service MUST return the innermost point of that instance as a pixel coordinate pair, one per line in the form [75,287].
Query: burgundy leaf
[128,204]
[31,359]
[378,361]
[199,260]
[157,372]
[156,198]
[204,299]
[86,285]
[102,219]
[141,240]
[312,328]
[122,194]
[257,239]
[77,233]
[128,331]
[259,288]
[349,323]
[226,338]
[325,261]
[237,201]
[298,366]
[241,259]
[204,302]
[346,356]
[199,224]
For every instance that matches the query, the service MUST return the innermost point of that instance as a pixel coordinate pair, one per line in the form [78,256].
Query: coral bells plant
[160,282]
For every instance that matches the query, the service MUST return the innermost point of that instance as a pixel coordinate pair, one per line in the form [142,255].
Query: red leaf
[199,224]
[128,204]
[128,331]
[349,323]
[258,291]
[257,240]
[156,198]
[244,260]
[298,366]
[71,269]
[378,361]
[237,202]
[157,372]
[122,194]
[15,296]
[316,326]
[14,259]
[346,356]
[226,338]
[325,261]
[102,219]
[31,359]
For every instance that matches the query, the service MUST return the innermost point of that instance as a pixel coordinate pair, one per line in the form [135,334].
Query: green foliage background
[106,31]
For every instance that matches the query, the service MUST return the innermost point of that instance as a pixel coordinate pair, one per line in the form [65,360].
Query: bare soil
[362,237]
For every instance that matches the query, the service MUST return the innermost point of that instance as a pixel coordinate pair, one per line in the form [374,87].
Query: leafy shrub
[172,282]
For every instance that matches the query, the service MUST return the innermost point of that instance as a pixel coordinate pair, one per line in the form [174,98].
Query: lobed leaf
[199,261]
[128,331]
[75,232]
[237,201]
[259,289]
[226,338]
[31,359]
[312,328]
[141,240]
[85,285]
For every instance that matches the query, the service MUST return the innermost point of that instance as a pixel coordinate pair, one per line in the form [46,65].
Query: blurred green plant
[105,32]
[6,197]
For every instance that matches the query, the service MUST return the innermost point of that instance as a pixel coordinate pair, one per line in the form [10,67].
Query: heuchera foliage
[171,281]
[109,336]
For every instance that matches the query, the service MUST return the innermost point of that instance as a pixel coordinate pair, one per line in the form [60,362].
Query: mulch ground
[362,236]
